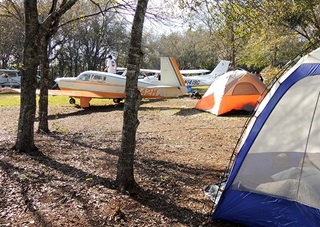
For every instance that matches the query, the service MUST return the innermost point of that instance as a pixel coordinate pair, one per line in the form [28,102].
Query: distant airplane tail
[220,69]
[170,73]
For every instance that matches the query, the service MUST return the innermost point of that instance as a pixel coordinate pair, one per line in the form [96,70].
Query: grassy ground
[7,100]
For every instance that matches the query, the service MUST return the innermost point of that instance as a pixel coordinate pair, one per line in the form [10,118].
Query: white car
[10,78]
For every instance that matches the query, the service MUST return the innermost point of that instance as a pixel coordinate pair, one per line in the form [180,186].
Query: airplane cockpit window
[98,78]
[84,77]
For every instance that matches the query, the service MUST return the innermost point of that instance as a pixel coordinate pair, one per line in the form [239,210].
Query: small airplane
[190,81]
[207,79]
[145,73]
[97,84]
[9,78]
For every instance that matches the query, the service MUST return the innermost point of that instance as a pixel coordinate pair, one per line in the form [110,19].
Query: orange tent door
[236,102]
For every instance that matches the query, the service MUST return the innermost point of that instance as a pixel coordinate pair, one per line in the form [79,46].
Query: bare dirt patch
[70,182]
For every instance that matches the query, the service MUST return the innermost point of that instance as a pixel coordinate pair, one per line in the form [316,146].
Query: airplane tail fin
[221,68]
[170,73]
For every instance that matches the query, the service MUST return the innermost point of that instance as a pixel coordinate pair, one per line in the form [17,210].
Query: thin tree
[125,172]
[44,72]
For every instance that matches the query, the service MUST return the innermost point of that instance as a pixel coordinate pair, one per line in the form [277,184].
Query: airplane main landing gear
[72,101]
[117,100]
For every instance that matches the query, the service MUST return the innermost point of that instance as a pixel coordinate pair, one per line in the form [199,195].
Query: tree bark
[125,172]
[25,137]
[44,85]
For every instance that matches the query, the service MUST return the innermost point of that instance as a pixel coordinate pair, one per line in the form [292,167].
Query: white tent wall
[290,136]
[314,58]
[275,180]
[218,89]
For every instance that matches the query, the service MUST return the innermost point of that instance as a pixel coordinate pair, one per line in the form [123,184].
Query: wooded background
[258,36]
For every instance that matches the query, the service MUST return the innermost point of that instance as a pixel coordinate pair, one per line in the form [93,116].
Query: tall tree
[25,138]
[35,30]
[125,173]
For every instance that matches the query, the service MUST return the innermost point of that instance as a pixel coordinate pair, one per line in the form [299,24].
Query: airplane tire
[72,101]
[117,100]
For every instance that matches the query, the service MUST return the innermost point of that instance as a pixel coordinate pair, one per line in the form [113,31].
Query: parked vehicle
[10,78]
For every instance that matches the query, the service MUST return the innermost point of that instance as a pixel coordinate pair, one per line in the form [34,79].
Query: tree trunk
[25,137]
[44,85]
[35,35]
[125,172]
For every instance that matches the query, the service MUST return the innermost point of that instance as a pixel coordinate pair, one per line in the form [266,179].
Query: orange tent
[234,90]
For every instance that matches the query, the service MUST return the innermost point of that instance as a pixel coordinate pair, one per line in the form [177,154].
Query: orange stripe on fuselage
[82,93]
[149,92]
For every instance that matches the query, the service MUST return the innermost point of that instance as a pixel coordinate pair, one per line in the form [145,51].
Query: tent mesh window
[245,88]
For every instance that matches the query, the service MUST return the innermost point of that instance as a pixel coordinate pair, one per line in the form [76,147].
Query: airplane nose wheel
[72,101]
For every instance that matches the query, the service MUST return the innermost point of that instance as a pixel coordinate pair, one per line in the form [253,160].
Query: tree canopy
[252,34]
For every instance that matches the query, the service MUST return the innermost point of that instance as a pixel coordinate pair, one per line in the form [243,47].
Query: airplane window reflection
[84,77]
[98,78]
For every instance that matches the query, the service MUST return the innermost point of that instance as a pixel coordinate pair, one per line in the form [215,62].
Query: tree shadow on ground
[87,111]
[160,203]
[188,112]
[70,170]
[10,171]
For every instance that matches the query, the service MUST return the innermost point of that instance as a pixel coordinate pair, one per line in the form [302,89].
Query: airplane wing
[187,71]
[194,71]
[142,70]
[70,93]
[221,68]
[75,93]
[9,90]
[150,70]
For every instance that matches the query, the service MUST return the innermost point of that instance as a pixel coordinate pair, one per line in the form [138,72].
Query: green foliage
[252,34]
[269,75]
[88,42]
[191,49]
[11,34]
[256,34]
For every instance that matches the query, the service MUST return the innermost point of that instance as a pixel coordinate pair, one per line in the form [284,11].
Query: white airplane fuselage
[198,80]
[113,85]
[97,84]
[207,79]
